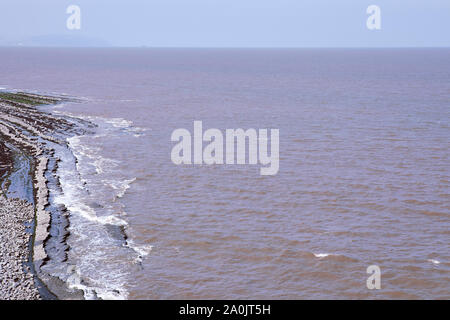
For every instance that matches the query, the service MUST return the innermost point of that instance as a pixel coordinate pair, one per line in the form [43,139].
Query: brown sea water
[363,180]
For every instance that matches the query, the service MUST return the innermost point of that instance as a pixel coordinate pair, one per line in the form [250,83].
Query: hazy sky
[228,23]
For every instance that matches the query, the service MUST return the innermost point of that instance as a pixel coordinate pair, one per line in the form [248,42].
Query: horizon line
[225,47]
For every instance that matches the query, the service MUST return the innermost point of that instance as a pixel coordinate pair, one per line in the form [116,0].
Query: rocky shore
[28,138]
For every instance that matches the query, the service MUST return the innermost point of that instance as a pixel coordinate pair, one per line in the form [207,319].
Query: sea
[363,180]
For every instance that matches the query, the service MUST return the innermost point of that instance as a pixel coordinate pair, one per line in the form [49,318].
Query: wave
[108,124]
[142,250]
[121,186]
[335,257]
[321,255]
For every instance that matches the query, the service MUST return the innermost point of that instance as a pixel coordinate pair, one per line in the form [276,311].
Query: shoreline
[30,134]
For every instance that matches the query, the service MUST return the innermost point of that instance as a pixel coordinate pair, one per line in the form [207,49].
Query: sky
[226,23]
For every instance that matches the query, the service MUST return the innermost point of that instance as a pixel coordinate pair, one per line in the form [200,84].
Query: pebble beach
[16,279]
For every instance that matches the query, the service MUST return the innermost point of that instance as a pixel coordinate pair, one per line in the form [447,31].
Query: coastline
[27,140]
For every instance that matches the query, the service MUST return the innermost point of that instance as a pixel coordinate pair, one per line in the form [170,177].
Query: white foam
[90,293]
[118,122]
[68,198]
[80,149]
[101,163]
[321,255]
[433,261]
[108,285]
[126,125]
[114,123]
[120,186]
[142,251]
